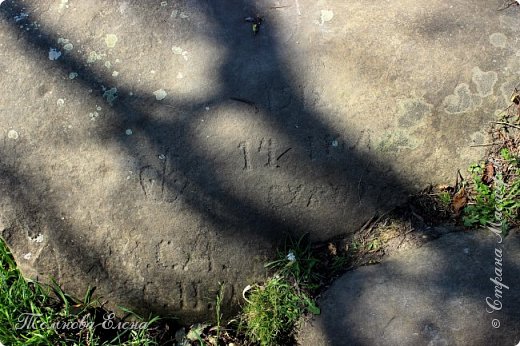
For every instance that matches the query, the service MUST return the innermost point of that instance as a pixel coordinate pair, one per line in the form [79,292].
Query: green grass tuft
[498,202]
[57,318]
[273,309]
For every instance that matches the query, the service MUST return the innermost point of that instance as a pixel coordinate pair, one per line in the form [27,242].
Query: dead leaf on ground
[332,249]
[489,173]
[459,201]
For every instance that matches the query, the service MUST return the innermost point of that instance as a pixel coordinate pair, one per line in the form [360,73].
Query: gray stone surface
[433,295]
[157,148]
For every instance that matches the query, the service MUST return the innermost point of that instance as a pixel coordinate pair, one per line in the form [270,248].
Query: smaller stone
[27,256]
[68,47]
[128,132]
[12,134]
[334,143]
[164,3]
[73,75]
[60,102]
[162,157]
[115,74]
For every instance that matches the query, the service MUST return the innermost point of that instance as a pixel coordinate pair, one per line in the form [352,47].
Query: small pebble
[128,132]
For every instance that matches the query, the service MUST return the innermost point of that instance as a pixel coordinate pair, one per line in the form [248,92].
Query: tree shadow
[316,170]
[408,301]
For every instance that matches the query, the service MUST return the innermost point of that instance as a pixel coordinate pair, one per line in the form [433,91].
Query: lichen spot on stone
[326,16]
[485,81]
[12,134]
[54,54]
[111,40]
[498,40]
[160,94]
[177,50]
[461,101]
[110,95]
[412,112]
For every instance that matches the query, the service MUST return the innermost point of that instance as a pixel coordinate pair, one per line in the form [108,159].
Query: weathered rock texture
[435,295]
[157,148]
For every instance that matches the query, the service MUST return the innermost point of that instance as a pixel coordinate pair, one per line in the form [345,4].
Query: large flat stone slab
[434,295]
[158,148]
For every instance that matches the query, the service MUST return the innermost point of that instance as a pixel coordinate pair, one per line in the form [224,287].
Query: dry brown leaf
[332,249]
[459,201]
[489,173]
[443,187]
